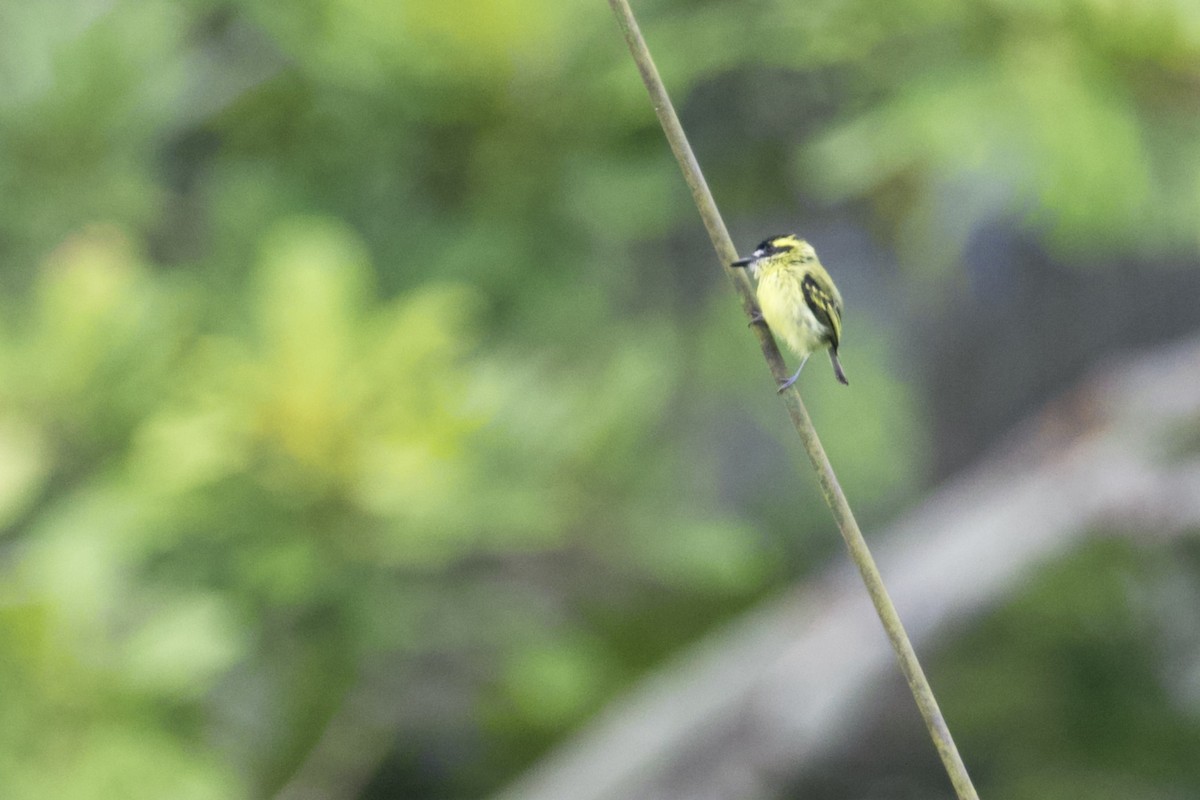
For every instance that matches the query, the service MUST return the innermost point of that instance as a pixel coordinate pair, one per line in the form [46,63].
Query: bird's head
[786,249]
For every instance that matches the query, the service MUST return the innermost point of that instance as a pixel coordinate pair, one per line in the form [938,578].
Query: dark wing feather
[827,311]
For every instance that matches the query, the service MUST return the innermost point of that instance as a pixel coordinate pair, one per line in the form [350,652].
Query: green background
[371,352]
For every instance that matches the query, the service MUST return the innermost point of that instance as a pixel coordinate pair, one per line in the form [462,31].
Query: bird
[797,299]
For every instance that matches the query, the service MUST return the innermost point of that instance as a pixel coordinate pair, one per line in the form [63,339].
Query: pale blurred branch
[765,701]
[938,730]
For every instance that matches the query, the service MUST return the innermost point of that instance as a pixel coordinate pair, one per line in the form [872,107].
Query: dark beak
[760,253]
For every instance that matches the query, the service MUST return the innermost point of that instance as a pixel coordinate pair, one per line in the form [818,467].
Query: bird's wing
[824,307]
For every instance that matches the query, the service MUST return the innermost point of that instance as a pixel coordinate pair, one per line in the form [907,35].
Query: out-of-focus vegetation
[356,349]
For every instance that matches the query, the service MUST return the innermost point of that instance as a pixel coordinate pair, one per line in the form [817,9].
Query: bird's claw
[783,387]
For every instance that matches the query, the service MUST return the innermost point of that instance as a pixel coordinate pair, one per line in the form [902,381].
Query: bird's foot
[783,387]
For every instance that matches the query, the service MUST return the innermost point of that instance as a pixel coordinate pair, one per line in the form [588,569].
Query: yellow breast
[781,300]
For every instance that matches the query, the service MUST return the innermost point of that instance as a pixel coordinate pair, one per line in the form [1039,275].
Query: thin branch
[830,488]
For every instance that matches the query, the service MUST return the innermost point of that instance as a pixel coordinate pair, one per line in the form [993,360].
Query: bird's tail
[837,367]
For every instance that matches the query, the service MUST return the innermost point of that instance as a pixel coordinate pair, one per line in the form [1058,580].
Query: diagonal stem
[830,488]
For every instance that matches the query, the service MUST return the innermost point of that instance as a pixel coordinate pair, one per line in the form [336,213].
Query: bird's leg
[755,317]
[783,386]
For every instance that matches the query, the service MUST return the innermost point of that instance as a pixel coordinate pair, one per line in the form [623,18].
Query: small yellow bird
[797,298]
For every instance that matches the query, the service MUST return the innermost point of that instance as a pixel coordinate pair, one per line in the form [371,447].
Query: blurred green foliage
[345,338]
[1075,116]
[1081,708]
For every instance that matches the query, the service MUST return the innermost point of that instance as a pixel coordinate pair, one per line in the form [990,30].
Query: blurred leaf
[550,684]
[24,466]
[184,644]
[704,555]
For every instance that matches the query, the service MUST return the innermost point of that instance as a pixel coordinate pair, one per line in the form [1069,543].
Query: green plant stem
[830,488]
